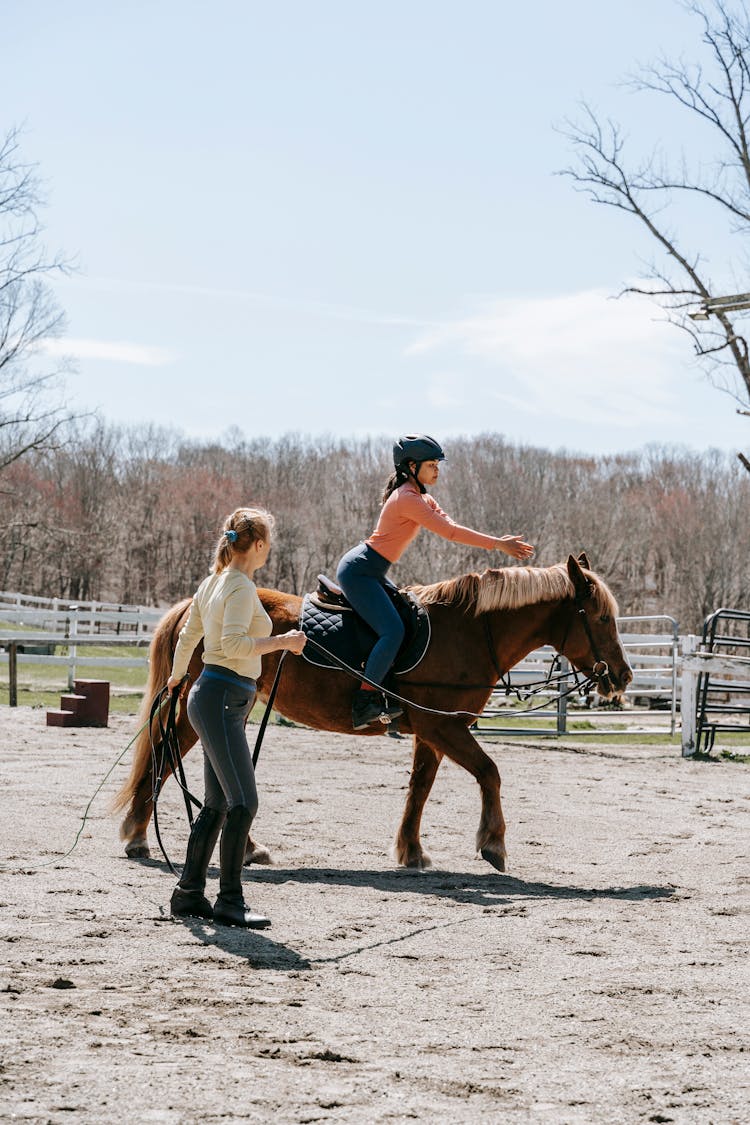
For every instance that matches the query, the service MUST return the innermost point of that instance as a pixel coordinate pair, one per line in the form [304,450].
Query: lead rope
[169,755]
[357,674]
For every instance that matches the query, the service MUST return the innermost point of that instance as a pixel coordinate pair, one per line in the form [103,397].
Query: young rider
[407,507]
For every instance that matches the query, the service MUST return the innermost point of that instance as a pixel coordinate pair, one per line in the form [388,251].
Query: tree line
[132,515]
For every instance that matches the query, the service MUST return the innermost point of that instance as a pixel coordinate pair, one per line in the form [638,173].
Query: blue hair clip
[231,536]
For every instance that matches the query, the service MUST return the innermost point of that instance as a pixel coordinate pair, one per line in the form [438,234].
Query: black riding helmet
[416,447]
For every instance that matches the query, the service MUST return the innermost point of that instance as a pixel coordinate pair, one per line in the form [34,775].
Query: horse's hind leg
[408,848]
[256,853]
[134,827]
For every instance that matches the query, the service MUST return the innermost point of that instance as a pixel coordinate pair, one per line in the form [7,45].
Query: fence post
[12,674]
[675,651]
[562,699]
[689,698]
[72,651]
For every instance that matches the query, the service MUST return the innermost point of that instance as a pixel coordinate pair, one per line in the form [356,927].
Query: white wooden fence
[33,628]
[71,618]
[666,667]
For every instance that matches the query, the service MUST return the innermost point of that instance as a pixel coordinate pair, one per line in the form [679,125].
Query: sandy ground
[604,979]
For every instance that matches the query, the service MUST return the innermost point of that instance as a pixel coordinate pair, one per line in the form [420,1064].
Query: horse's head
[590,639]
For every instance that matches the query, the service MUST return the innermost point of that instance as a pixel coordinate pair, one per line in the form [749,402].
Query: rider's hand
[515,546]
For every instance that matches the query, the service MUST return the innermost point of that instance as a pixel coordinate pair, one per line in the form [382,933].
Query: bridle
[600,668]
[555,676]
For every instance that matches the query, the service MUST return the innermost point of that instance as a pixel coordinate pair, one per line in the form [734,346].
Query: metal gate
[723,702]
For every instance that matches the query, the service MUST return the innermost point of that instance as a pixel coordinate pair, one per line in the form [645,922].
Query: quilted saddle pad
[343,634]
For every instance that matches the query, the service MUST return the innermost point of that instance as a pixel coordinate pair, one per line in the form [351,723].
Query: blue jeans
[361,574]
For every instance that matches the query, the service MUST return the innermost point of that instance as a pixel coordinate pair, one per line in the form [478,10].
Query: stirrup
[376,709]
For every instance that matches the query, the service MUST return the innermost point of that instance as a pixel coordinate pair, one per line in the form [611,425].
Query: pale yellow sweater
[228,614]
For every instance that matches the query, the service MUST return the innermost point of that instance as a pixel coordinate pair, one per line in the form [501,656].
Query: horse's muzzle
[610,684]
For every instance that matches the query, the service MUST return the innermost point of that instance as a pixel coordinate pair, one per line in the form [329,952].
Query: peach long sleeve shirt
[406,511]
[227,613]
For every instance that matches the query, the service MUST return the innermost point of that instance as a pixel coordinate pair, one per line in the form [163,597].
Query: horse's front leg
[452,739]
[408,849]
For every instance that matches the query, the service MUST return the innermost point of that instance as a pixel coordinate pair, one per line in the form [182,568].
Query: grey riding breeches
[217,706]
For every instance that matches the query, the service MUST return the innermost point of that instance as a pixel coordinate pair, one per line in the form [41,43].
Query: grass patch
[50,700]
[40,684]
[125,702]
[729,756]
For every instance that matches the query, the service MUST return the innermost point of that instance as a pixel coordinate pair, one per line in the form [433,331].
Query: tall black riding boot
[230,905]
[370,706]
[188,899]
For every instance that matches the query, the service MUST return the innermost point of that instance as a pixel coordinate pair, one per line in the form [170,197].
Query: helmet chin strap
[414,474]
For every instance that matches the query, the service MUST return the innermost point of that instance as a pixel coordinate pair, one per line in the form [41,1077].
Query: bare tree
[31,418]
[712,95]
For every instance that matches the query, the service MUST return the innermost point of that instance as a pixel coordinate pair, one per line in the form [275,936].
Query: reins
[580,686]
[169,755]
[599,671]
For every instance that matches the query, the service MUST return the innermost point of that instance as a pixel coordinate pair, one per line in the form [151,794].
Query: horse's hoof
[416,860]
[258,854]
[497,859]
[138,851]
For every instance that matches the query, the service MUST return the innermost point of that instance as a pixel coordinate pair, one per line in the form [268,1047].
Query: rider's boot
[230,907]
[188,899]
[369,706]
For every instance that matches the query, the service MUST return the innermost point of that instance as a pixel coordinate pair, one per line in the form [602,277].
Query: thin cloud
[579,356]
[322,309]
[116,351]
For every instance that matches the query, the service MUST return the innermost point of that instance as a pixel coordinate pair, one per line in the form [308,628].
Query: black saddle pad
[343,633]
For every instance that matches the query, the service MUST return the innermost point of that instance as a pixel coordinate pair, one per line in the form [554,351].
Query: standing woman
[227,613]
[407,507]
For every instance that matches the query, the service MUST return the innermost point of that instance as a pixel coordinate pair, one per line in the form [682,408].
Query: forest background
[131,515]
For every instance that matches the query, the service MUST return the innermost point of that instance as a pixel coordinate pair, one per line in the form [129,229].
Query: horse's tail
[160,665]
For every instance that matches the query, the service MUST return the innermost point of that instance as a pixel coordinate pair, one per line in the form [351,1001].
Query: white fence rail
[53,624]
[71,618]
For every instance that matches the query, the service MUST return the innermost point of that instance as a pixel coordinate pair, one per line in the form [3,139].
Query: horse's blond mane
[512,588]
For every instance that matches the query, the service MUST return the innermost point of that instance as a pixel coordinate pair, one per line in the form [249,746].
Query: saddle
[328,619]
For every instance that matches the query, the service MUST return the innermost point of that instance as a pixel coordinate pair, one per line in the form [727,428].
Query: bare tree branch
[32,417]
[715,93]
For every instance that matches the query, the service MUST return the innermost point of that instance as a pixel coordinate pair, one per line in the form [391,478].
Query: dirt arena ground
[605,978]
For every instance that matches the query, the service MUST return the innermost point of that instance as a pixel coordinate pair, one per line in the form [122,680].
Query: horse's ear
[584,560]
[578,578]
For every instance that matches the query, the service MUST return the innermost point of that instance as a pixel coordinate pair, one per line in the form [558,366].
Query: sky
[346,218]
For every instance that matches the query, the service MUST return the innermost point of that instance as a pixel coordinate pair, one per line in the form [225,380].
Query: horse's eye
[605,619]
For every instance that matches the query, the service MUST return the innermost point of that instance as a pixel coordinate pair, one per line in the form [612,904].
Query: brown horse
[481,625]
